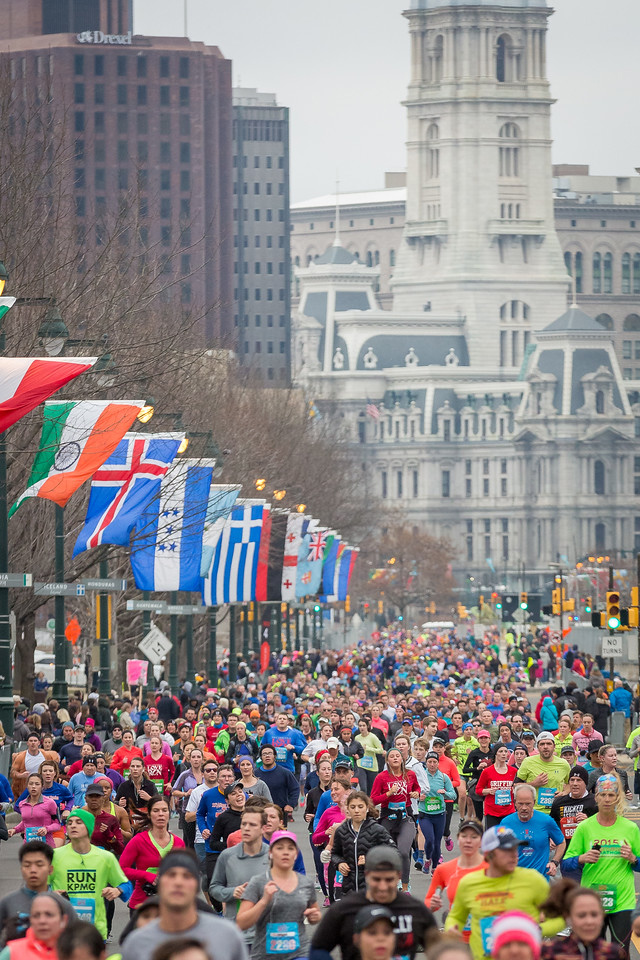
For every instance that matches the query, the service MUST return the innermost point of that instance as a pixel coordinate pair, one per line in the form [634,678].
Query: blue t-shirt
[279,740]
[57,791]
[212,804]
[78,786]
[537,832]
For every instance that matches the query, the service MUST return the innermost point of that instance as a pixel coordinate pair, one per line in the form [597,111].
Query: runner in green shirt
[88,875]
[485,894]
[607,847]
[546,772]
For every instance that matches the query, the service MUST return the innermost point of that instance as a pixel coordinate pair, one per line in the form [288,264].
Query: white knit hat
[516,925]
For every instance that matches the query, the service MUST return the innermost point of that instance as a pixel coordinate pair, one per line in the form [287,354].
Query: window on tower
[433,152]
[509,151]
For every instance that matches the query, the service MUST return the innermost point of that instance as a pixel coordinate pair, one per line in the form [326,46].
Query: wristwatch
[556,862]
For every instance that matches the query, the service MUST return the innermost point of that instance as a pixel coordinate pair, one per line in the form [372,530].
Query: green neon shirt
[612,875]
[557,771]
[84,876]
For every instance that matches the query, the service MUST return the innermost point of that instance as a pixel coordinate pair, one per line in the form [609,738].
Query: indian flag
[77,437]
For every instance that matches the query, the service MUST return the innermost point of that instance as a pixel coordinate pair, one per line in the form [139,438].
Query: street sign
[58,589]
[612,646]
[16,579]
[155,645]
[107,585]
[154,606]
[185,608]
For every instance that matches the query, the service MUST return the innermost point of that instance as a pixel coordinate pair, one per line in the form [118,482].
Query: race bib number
[502,798]
[434,805]
[367,763]
[545,796]
[398,806]
[282,937]
[568,826]
[609,897]
[85,908]
[158,783]
[281,753]
[486,932]
[31,833]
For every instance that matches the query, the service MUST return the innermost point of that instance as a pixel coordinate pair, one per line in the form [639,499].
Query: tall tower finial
[336,241]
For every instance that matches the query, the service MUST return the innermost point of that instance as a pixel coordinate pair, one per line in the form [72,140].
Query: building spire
[336,241]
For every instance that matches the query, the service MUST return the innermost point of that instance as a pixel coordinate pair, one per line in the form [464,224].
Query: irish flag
[77,437]
[27,381]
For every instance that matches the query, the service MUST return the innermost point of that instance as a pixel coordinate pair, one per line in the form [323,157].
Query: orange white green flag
[78,436]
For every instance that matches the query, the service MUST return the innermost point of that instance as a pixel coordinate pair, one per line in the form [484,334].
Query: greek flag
[221,501]
[167,542]
[232,575]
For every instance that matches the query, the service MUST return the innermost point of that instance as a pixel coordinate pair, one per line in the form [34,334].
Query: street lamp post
[188,639]
[104,685]
[212,665]
[245,633]
[173,653]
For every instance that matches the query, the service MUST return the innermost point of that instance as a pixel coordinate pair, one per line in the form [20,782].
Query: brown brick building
[150,118]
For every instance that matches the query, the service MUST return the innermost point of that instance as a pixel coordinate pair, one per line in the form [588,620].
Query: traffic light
[613,609]
[597,619]
[432,607]
[556,601]
[316,608]
[347,604]
[588,604]
[481,601]
[462,611]
[380,606]
[524,601]
[634,611]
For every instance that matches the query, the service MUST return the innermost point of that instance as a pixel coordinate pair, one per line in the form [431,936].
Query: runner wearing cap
[546,772]
[568,753]
[87,874]
[528,739]
[414,924]
[570,809]
[278,903]
[448,767]
[373,933]
[487,893]
[432,811]
[478,759]
[607,847]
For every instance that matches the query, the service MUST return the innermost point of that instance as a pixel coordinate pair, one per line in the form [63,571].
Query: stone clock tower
[480,240]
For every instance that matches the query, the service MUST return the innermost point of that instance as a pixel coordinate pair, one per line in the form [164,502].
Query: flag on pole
[292,543]
[222,498]
[77,437]
[124,485]
[347,563]
[372,410]
[232,577]
[167,545]
[329,567]
[262,572]
[27,381]
[310,559]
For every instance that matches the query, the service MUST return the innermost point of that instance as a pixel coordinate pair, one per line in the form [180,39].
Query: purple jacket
[41,814]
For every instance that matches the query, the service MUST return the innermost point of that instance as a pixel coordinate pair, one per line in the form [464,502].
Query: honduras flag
[167,542]
[232,576]
[123,487]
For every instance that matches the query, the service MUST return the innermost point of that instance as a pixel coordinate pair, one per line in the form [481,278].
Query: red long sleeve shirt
[381,785]
[142,852]
[159,771]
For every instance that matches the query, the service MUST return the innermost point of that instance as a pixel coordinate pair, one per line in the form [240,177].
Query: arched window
[598,478]
[513,338]
[578,271]
[376,258]
[392,258]
[599,401]
[369,258]
[568,262]
[636,273]
[626,273]
[607,263]
[632,322]
[433,152]
[605,321]
[509,156]
[596,272]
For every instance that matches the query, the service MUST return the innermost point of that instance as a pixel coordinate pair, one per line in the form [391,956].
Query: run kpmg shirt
[83,876]
[557,771]
[612,876]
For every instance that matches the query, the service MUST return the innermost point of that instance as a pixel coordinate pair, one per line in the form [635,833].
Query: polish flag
[26,381]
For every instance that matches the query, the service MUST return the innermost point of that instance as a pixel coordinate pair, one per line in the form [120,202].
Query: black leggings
[620,926]
[447,820]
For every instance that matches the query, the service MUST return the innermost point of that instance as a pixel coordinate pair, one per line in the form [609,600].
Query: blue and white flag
[347,563]
[222,498]
[232,576]
[330,567]
[310,559]
[167,543]
[123,487]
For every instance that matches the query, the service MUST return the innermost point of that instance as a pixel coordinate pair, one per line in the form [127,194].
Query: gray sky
[342,66]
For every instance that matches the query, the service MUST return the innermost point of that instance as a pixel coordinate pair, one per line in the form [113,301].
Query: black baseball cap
[471,825]
[383,858]
[94,789]
[367,916]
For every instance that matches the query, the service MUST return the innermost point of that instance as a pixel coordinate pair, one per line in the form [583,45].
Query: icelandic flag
[232,576]
[123,487]
[221,500]
[167,544]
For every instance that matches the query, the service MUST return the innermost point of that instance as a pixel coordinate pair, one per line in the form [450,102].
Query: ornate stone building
[503,421]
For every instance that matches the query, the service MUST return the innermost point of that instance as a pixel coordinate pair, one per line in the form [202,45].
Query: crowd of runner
[196,810]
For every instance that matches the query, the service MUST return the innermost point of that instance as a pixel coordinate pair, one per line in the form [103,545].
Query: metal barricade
[5,759]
